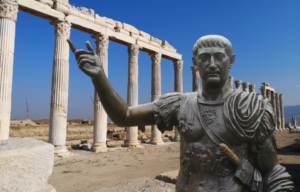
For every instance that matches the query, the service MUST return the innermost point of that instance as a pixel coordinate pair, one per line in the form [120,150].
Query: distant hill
[290,111]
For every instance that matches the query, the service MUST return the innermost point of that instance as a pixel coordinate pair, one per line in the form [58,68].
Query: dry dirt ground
[90,172]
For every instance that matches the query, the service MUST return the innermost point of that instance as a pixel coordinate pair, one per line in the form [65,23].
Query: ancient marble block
[25,165]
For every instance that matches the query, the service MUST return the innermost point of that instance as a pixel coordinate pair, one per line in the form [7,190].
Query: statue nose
[212,64]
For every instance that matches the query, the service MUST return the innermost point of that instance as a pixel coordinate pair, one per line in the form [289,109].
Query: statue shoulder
[249,115]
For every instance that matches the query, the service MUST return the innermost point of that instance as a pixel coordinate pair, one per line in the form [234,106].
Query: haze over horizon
[265,38]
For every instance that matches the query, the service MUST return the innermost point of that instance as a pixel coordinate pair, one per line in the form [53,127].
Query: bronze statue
[227,135]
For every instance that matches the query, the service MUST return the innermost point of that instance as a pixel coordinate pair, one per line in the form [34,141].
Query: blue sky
[265,37]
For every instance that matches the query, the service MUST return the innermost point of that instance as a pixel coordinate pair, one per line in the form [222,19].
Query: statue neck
[210,93]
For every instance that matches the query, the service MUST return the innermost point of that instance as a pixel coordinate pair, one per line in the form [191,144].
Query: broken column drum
[8,19]
[252,88]
[156,92]
[132,93]
[60,87]
[246,86]
[100,116]
[238,84]
[178,65]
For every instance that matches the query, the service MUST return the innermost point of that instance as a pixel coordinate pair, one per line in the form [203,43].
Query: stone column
[60,88]
[230,81]
[178,65]
[238,84]
[100,116]
[278,112]
[8,19]
[263,92]
[252,88]
[273,101]
[269,96]
[196,79]
[132,93]
[245,86]
[282,111]
[156,92]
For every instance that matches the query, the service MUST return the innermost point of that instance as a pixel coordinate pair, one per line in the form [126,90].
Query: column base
[156,142]
[99,147]
[61,152]
[175,139]
[276,129]
[132,144]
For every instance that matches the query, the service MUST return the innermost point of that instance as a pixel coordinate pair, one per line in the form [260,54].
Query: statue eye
[202,58]
[220,56]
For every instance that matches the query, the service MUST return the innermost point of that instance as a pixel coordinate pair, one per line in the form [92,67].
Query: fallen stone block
[168,177]
[25,165]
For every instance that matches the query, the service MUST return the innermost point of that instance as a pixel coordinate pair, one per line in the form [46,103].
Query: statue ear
[232,58]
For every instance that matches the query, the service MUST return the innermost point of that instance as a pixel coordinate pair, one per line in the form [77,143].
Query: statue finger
[89,47]
[83,63]
[81,52]
[72,46]
[85,56]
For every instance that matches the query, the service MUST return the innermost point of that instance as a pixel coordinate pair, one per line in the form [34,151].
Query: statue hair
[213,41]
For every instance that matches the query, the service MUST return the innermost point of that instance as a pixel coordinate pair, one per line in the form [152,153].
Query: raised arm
[114,105]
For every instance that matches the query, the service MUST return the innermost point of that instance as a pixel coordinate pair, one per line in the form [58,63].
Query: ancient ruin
[63,17]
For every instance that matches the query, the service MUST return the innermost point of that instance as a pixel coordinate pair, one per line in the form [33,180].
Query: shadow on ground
[293,149]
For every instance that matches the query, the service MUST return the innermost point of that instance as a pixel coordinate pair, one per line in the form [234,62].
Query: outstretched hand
[88,62]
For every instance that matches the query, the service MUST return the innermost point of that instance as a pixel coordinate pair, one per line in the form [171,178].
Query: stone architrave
[252,88]
[60,88]
[132,93]
[156,92]
[246,86]
[178,87]
[278,112]
[196,79]
[196,76]
[238,84]
[230,81]
[8,18]
[25,164]
[100,116]
[282,111]
[273,102]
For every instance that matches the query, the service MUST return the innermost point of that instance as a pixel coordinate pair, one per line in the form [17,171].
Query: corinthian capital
[133,50]
[156,58]
[178,64]
[102,40]
[238,84]
[62,28]
[195,71]
[9,9]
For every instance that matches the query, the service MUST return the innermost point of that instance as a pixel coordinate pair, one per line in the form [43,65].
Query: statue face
[214,65]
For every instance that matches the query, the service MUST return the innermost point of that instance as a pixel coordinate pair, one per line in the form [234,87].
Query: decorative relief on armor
[9,9]
[209,115]
[156,58]
[178,64]
[133,50]
[183,126]
[63,28]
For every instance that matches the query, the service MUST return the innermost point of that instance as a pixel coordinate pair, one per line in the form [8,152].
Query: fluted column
[156,92]
[230,81]
[263,92]
[8,19]
[60,88]
[245,86]
[178,87]
[252,88]
[282,111]
[238,84]
[278,112]
[273,101]
[100,116]
[132,93]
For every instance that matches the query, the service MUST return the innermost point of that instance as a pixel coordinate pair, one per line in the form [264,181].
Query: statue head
[214,58]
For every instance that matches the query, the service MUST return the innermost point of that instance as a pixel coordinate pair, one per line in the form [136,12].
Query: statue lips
[212,73]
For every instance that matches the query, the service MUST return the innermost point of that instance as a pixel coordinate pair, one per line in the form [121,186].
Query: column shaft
[196,79]
[246,86]
[282,111]
[230,81]
[273,101]
[178,87]
[60,88]
[8,18]
[252,88]
[100,116]
[132,93]
[278,112]
[238,84]
[156,92]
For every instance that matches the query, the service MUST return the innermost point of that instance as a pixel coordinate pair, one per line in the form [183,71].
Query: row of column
[60,83]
